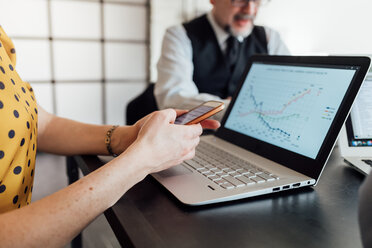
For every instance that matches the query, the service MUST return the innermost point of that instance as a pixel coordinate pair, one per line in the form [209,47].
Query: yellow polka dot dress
[18,132]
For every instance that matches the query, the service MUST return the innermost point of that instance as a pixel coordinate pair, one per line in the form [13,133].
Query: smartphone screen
[193,114]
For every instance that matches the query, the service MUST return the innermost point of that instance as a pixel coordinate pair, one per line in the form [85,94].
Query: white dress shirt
[175,87]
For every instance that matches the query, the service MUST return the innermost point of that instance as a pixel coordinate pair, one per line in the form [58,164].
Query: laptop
[355,139]
[277,132]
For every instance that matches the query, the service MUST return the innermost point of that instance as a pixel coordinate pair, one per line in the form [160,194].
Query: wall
[308,27]
[84,58]
[321,26]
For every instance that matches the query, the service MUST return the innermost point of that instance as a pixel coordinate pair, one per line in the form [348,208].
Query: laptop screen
[359,123]
[290,106]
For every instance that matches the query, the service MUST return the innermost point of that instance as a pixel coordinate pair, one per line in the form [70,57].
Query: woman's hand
[124,136]
[160,144]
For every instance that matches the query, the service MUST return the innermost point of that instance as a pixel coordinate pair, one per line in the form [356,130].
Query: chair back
[141,106]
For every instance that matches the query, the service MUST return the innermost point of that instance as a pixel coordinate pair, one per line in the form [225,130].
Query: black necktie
[232,52]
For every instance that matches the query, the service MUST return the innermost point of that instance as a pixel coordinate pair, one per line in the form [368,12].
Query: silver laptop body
[277,133]
[193,188]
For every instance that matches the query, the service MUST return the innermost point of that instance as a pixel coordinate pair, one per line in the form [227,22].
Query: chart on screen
[282,116]
[282,104]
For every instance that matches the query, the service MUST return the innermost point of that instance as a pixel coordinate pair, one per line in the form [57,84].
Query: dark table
[323,216]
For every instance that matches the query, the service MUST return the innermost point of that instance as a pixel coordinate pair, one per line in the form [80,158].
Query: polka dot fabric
[18,132]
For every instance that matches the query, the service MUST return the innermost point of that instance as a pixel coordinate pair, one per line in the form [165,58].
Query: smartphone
[200,113]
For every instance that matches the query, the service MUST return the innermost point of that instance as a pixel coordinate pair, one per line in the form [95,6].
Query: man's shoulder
[175,28]
[269,31]
[181,27]
[176,32]
[197,21]
[199,28]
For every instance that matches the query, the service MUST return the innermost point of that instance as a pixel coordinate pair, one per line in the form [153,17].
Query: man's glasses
[241,3]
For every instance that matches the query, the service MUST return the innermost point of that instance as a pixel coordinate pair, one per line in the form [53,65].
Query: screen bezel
[305,165]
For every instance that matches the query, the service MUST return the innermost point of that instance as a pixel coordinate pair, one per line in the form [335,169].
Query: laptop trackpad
[175,171]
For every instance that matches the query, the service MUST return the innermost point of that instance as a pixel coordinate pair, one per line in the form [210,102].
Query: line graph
[276,112]
[289,106]
[280,117]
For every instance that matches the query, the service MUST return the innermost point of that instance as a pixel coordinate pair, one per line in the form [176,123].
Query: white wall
[321,26]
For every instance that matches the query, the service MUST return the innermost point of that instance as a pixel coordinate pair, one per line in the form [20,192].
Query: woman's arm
[56,219]
[67,137]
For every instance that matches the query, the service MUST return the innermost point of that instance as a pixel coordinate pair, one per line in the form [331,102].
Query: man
[205,58]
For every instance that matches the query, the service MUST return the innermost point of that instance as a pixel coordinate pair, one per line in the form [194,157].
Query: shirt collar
[221,34]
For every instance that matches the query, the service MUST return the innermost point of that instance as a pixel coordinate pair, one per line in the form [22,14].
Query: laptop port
[276,189]
[286,187]
[296,185]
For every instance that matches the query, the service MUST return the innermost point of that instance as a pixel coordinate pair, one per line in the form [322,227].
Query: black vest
[211,73]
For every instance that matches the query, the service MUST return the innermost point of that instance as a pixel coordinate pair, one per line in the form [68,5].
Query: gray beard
[236,33]
[244,33]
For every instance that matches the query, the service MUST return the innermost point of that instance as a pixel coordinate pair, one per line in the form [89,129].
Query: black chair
[141,105]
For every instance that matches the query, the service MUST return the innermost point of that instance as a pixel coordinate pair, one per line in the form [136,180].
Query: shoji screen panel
[85,58]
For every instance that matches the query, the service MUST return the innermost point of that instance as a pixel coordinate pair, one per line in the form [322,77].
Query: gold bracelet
[108,140]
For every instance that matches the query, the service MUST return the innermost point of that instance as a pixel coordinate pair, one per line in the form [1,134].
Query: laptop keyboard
[367,161]
[226,170]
